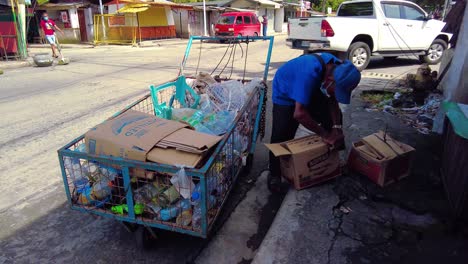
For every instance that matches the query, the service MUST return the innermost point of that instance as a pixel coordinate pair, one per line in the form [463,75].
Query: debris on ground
[419,117]
[417,105]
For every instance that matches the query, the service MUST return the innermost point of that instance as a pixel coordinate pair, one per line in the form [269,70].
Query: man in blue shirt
[307,90]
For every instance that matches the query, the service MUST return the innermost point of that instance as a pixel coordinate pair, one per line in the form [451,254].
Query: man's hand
[335,138]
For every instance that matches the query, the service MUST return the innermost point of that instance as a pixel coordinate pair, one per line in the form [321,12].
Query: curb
[64,46]
[15,65]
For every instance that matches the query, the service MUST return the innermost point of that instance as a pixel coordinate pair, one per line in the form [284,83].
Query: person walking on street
[307,90]
[264,25]
[49,27]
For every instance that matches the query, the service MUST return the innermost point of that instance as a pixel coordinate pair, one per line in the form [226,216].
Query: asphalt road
[45,108]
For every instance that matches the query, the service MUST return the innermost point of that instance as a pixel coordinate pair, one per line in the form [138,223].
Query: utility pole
[104,34]
[204,19]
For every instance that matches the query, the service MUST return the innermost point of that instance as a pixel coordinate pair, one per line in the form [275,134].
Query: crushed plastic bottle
[171,212]
[79,178]
[101,190]
[196,118]
[220,122]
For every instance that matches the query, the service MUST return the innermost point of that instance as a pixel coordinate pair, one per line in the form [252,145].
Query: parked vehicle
[371,27]
[235,24]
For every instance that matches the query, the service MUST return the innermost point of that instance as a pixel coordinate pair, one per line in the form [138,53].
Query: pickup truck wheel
[359,54]
[434,53]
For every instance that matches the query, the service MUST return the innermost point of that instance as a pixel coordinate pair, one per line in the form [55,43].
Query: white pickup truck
[371,27]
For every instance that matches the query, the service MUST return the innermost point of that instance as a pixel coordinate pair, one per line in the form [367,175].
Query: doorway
[82,22]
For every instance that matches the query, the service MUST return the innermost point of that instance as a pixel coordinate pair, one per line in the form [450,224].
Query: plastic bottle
[211,183]
[171,212]
[203,129]
[196,213]
[101,189]
[120,209]
[196,118]
[169,196]
[80,181]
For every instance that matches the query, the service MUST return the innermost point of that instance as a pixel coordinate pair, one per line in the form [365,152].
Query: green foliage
[334,4]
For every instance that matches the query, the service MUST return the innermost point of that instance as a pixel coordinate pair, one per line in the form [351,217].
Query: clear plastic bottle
[196,213]
[79,178]
[196,118]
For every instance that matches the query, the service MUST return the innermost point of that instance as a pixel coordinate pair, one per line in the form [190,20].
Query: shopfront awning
[133,8]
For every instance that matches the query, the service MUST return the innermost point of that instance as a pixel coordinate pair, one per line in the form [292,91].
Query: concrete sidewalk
[352,220]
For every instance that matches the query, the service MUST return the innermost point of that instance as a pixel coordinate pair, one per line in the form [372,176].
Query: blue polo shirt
[298,78]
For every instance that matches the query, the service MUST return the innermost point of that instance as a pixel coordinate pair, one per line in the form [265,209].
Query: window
[357,9]
[239,20]
[247,20]
[391,10]
[254,20]
[226,20]
[412,13]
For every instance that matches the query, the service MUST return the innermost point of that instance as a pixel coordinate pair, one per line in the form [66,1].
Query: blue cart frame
[224,153]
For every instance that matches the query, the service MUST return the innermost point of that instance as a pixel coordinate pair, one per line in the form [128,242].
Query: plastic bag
[183,183]
[229,96]
[249,87]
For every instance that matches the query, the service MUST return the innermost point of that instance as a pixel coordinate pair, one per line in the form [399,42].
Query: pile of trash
[402,104]
[157,195]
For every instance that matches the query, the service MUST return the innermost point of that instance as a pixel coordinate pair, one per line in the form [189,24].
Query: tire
[359,54]
[143,238]
[435,52]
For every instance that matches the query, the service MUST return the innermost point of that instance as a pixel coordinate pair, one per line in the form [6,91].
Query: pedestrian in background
[264,25]
[307,90]
[49,27]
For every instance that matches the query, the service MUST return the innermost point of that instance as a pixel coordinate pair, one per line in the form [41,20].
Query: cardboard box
[134,134]
[382,162]
[306,161]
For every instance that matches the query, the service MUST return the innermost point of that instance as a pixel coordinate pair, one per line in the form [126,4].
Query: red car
[235,24]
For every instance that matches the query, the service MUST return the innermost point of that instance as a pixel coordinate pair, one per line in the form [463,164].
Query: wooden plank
[392,143]
[379,146]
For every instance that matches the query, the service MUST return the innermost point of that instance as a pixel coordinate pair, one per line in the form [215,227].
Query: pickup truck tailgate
[307,28]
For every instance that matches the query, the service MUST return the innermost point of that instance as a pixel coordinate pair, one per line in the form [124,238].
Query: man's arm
[55,26]
[303,117]
[335,111]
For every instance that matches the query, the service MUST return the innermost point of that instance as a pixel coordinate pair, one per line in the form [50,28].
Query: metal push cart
[141,195]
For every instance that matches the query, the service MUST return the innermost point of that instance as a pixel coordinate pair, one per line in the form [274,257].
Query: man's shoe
[275,185]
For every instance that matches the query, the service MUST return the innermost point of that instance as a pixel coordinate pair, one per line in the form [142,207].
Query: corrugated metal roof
[133,8]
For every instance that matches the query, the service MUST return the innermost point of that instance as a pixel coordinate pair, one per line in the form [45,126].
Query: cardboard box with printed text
[306,161]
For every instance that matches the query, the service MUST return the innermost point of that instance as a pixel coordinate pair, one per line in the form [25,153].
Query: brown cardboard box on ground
[133,134]
[381,158]
[306,161]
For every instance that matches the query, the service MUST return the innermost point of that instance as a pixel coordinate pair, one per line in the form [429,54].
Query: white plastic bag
[183,183]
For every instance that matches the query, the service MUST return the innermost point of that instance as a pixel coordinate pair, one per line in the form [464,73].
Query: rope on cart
[246,55]
[232,63]
[229,58]
[222,58]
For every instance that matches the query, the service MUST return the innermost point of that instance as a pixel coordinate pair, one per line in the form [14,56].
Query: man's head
[341,78]
[45,16]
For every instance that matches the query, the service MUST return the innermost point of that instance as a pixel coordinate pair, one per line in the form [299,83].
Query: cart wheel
[249,163]
[144,237]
